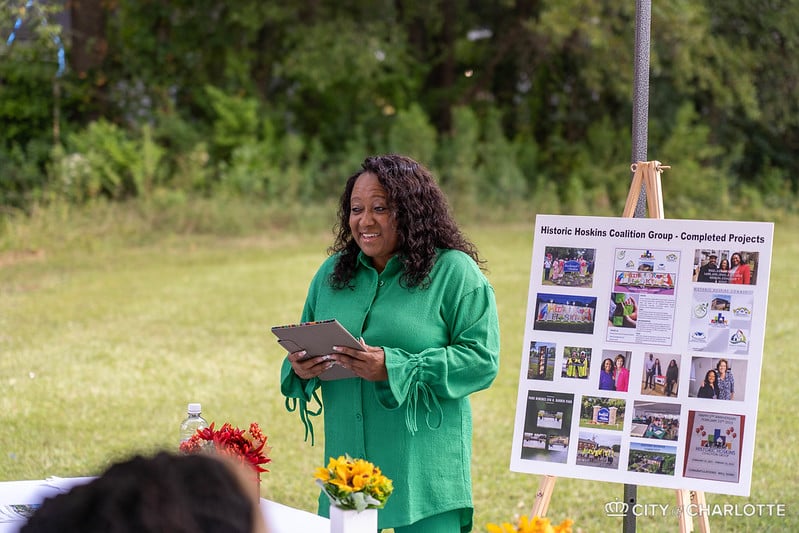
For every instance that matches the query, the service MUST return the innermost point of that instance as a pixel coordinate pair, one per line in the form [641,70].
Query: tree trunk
[88,50]
[89,45]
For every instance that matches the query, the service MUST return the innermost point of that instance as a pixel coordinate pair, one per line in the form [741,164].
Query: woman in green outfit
[405,280]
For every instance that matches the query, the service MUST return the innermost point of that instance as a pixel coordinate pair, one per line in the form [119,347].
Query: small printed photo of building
[602,413]
[652,459]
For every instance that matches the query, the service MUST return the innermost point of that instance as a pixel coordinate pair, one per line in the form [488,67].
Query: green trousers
[448,522]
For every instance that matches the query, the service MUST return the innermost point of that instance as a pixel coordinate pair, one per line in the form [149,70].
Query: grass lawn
[102,347]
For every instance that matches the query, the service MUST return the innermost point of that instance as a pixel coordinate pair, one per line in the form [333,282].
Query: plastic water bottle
[192,423]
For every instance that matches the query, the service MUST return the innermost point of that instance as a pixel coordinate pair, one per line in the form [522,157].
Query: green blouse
[441,344]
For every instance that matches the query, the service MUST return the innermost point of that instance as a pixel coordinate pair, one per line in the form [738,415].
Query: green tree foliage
[701,170]
[411,133]
[501,178]
[506,100]
[28,67]
[235,120]
[458,158]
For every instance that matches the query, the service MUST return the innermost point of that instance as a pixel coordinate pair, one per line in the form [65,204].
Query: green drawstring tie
[427,398]
[305,413]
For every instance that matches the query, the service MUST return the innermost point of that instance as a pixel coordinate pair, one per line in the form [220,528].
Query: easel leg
[698,499]
[542,497]
[654,190]
[635,190]
[683,500]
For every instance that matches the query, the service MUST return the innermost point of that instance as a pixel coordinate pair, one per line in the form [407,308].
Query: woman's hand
[310,367]
[370,364]
[631,318]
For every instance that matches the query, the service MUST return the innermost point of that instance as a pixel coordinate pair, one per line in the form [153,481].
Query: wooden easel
[645,174]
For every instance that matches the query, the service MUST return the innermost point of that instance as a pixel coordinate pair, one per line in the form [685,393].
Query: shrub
[458,159]
[413,135]
[501,178]
[236,122]
[104,158]
[21,174]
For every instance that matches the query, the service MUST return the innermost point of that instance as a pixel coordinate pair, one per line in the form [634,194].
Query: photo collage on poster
[662,389]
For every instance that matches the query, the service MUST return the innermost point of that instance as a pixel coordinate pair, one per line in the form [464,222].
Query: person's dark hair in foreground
[423,220]
[165,494]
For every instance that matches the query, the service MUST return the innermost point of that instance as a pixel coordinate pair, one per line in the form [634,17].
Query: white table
[281,518]
[278,518]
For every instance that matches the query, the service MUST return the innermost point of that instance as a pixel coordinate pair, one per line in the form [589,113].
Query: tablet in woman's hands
[318,338]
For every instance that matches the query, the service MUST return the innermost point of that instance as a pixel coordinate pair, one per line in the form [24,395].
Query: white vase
[351,521]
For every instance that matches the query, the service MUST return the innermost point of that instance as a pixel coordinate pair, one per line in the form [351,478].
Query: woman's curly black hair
[423,221]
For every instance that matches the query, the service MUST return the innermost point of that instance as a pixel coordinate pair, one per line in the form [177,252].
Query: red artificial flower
[248,447]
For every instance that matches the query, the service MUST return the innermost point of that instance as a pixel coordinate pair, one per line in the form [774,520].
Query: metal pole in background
[643,23]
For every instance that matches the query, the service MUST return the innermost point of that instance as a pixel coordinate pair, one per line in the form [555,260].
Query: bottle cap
[194,409]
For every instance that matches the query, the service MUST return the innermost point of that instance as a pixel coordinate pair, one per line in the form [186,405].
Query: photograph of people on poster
[576,362]
[567,313]
[713,447]
[652,458]
[707,266]
[721,320]
[614,370]
[606,371]
[597,412]
[655,420]
[568,267]
[542,361]
[598,449]
[743,268]
[660,374]
[736,267]
[718,378]
[547,425]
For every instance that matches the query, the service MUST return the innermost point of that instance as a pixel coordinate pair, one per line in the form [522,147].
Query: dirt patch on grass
[15,257]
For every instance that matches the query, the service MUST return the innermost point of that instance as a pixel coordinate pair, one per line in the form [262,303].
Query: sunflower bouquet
[354,483]
[535,524]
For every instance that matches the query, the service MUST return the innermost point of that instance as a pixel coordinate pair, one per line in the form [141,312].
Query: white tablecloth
[279,518]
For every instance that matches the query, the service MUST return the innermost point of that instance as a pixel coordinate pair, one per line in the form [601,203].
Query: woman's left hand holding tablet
[369,363]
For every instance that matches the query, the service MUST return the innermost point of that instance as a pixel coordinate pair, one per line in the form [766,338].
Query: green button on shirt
[441,344]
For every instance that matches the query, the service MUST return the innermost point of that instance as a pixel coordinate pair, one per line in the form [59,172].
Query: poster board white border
[567,426]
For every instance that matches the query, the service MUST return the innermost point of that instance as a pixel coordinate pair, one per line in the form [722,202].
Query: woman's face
[736,259]
[711,377]
[608,365]
[724,264]
[372,222]
[619,362]
[722,367]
